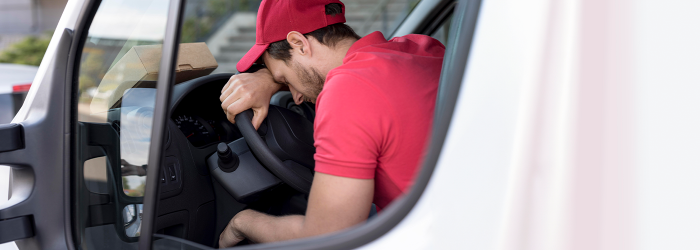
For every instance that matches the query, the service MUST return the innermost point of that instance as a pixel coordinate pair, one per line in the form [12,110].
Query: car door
[80,146]
[447,21]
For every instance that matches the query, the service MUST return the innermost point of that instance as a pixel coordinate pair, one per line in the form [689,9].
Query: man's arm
[335,203]
[248,91]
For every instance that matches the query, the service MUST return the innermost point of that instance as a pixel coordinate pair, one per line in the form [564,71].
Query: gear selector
[228,161]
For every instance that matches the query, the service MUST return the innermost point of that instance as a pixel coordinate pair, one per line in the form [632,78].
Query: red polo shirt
[375,112]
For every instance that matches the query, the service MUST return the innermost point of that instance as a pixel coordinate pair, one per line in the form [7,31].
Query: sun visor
[140,65]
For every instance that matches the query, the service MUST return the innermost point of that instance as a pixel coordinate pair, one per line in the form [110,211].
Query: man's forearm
[335,203]
[259,227]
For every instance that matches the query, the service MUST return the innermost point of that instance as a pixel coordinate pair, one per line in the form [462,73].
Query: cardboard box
[140,65]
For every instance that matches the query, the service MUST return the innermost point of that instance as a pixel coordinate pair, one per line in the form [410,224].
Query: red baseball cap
[276,18]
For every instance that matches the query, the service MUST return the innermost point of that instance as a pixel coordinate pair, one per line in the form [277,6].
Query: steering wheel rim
[268,159]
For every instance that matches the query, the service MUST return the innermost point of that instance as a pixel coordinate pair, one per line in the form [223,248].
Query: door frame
[161,111]
[451,79]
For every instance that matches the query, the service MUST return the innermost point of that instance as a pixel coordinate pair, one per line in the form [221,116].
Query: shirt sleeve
[350,128]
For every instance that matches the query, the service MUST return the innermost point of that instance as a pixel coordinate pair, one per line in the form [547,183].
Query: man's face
[305,82]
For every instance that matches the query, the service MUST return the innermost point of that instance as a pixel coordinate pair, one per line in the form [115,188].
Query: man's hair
[328,36]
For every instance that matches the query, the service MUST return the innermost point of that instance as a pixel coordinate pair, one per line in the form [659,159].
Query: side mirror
[132,215]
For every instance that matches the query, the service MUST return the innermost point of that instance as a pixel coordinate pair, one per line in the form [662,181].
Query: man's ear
[300,44]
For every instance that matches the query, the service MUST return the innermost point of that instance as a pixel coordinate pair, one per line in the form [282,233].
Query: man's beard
[311,80]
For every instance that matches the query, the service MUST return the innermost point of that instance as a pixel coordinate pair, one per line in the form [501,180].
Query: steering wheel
[283,144]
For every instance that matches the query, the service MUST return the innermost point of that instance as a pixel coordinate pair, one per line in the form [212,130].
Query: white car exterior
[576,128]
[14,74]
[14,78]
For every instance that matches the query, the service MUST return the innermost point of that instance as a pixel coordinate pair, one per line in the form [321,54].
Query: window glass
[226,29]
[116,95]
[228,26]
[442,32]
[383,15]
[112,66]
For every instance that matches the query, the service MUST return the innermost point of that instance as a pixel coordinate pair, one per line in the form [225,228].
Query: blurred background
[226,26]
[25,30]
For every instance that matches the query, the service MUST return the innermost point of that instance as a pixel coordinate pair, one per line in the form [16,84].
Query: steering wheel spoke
[286,149]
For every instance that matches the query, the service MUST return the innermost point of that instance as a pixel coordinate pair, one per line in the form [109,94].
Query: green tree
[140,190]
[125,184]
[29,51]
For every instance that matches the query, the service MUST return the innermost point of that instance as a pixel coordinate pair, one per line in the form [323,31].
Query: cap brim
[251,57]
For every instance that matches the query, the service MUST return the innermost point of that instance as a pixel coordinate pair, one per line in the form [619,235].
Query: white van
[15,81]
[559,124]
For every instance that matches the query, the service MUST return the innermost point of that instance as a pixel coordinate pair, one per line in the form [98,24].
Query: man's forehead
[276,74]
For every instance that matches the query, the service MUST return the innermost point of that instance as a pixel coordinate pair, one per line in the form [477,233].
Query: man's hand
[335,203]
[248,90]
[231,235]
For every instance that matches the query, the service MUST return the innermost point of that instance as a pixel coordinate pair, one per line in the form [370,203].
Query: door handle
[13,138]
[16,228]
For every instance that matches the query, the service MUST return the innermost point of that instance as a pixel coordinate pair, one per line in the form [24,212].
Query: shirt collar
[371,39]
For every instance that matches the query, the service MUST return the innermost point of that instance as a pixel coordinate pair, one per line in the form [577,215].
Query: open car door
[80,147]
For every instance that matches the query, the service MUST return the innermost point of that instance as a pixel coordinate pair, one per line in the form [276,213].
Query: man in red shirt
[374,108]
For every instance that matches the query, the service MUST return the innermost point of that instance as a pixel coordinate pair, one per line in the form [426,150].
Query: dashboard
[202,132]
[199,117]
